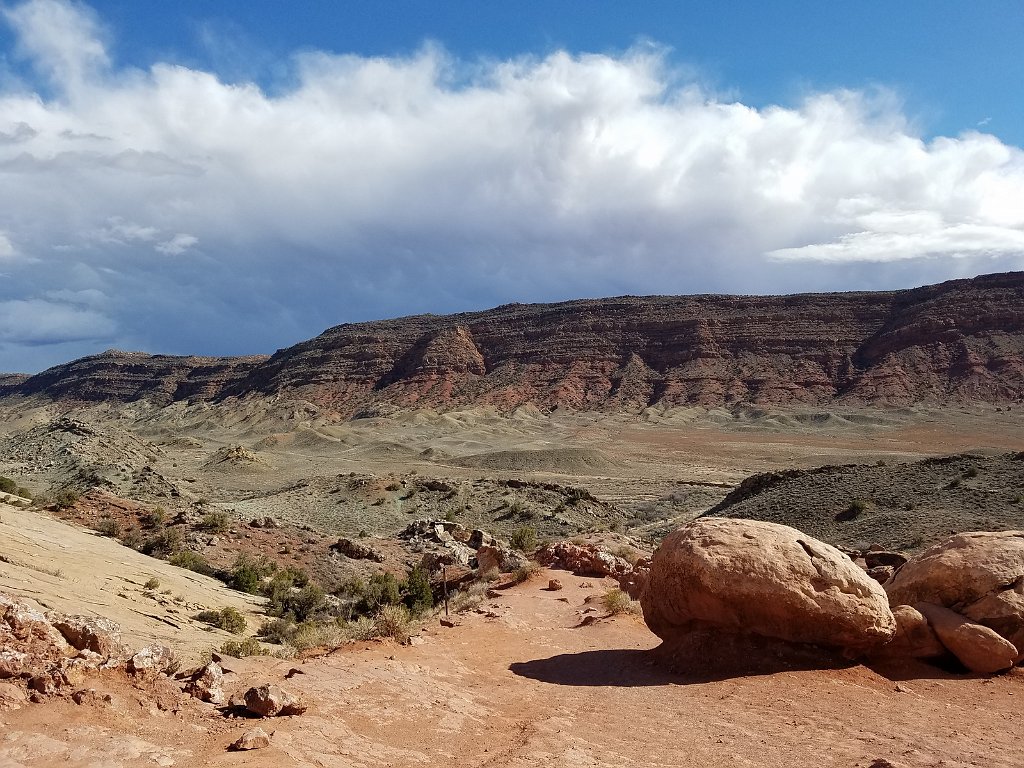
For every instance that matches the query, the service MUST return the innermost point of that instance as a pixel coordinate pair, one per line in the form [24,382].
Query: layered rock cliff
[959,341]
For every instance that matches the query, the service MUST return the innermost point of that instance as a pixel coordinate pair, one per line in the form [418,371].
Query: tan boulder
[978,575]
[500,558]
[206,684]
[747,577]
[272,701]
[914,636]
[978,648]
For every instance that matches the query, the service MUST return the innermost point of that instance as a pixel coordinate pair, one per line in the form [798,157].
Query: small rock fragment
[256,738]
[554,585]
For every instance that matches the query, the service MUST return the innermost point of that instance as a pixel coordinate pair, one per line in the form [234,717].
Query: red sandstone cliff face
[129,376]
[959,341]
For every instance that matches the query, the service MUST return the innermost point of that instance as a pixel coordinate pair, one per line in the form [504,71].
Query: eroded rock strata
[958,341]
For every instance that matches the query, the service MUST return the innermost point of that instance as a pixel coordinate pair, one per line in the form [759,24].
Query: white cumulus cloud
[380,186]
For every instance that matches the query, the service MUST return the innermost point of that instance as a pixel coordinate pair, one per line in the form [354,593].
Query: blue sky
[231,177]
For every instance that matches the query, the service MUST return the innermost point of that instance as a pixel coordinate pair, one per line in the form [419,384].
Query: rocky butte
[958,341]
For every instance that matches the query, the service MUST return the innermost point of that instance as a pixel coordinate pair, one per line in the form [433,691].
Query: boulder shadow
[611,667]
[671,665]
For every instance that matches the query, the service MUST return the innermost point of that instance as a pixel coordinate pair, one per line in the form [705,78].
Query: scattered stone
[980,649]
[293,672]
[449,622]
[152,658]
[11,697]
[207,684]
[96,634]
[747,577]
[498,556]
[266,522]
[875,558]
[11,663]
[979,575]
[881,573]
[582,559]
[554,585]
[356,551]
[90,696]
[255,738]
[272,701]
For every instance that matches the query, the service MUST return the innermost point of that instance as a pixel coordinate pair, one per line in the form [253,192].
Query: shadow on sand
[636,668]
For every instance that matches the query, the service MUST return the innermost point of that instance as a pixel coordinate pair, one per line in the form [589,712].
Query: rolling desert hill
[961,341]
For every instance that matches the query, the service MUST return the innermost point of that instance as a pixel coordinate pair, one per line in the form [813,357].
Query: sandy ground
[70,569]
[520,683]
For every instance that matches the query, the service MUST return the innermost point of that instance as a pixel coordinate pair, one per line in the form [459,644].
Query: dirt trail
[521,684]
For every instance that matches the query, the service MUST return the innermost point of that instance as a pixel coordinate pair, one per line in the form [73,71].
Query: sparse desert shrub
[7,485]
[393,621]
[317,635]
[418,596]
[971,472]
[164,543]
[856,509]
[132,538]
[229,619]
[64,499]
[382,589]
[954,483]
[215,522]
[240,649]
[153,583]
[490,576]
[24,492]
[615,601]
[248,573]
[1018,499]
[525,572]
[468,598]
[362,628]
[523,538]
[278,631]
[191,561]
[155,518]
[108,526]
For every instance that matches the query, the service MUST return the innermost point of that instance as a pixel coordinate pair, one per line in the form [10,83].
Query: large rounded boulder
[763,580]
[978,575]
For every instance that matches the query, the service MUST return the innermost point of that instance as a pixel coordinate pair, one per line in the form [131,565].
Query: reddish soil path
[522,685]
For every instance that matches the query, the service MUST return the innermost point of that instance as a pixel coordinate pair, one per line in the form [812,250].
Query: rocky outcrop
[128,376]
[583,559]
[499,558]
[960,341]
[978,575]
[743,578]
